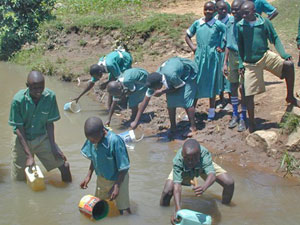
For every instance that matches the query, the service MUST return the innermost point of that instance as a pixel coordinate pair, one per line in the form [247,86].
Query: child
[209,33]
[298,41]
[109,159]
[262,6]
[254,32]
[32,114]
[114,64]
[227,4]
[192,161]
[231,58]
[224,17]
[176,79]
[131,83]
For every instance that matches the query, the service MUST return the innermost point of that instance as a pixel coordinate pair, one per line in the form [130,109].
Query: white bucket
[72,107]
[129,136]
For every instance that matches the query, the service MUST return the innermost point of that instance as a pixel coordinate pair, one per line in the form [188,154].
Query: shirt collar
[259,21]
[210,23]
[164,81]
[28,97]
[224,20]
[103,63]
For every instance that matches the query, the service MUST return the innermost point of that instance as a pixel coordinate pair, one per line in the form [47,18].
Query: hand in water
[84,183]
[75,99]
[174,220]
[30,161]
[199,190]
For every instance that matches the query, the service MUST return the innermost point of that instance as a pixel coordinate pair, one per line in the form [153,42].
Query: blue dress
[208,36]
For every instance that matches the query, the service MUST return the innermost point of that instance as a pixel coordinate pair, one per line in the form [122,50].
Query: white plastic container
[35,178]
[190,217]
[131,136]
[72,107]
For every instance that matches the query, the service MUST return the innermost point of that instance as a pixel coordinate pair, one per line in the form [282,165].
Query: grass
[289,163]
[289,123]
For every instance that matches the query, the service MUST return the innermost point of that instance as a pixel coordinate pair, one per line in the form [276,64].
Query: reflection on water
[258,199]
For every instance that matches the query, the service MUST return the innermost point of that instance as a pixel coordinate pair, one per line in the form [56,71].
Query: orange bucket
[93,207]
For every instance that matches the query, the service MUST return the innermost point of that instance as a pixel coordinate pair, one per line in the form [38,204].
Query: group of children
[231,54]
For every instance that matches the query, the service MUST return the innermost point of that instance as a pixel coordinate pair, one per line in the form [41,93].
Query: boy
[109,159]
[262,6]
[32,114]
[131,83]
[192,161]
[254,32]
[114,64]
[231,58]
[175,78]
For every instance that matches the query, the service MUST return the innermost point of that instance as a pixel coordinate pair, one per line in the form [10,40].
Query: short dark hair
[92,126]
[153,80]
[96,70]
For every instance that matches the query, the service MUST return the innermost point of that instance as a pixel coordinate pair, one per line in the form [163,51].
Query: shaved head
[191,147]
[237,3]
[220,4]
[93,126]
[249,5]
[114,88]
[35,77]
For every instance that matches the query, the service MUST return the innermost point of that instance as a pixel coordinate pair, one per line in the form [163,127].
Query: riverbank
[68,47]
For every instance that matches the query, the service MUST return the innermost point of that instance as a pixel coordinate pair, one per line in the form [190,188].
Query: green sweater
[298,37]
[253,40]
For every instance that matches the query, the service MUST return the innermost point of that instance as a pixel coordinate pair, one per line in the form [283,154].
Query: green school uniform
[208,36]
[262,6]
[253,40]
[226,84]
[115,63]
[182,172]
[109,157]
[34,118]
[178,73]
[134,80]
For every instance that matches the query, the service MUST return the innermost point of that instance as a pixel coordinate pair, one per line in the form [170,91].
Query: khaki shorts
[187,180]
[233,64]
[104,186]
[40,147]
[254,77]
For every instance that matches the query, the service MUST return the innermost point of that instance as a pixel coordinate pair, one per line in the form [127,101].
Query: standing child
[114,64]
[224,17]
[109,159]
[176,79]
[209,33]
[298,41]
[32,114]
[232,59]
[254,32]
[131,84]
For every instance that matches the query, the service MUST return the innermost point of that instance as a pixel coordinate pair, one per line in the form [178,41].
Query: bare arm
[55,149]
[111,112]
[177,196]
[190,43]
[274,14]
[114,191]
[22,138]
[141,109]
[88,177]
[226,58]
[89,87]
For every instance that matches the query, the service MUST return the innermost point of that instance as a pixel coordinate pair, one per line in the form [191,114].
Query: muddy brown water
[259,198]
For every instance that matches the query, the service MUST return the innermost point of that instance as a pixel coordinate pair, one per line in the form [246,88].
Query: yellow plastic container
[35,178]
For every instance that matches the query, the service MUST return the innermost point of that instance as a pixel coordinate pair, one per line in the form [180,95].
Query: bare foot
[293,101]
[190,133]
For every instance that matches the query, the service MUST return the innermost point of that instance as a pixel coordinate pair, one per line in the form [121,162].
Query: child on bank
[209,33]
[109,160]
[254,32]
[32,114]
[131,84]
[193,161]
[114,64]
[231,66]
[224,17]
[175,78]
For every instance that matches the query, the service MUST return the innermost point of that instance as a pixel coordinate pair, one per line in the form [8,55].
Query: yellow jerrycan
[35,178]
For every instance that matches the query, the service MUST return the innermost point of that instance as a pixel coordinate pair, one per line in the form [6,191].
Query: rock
[296,110]
[262,140]
[293,143]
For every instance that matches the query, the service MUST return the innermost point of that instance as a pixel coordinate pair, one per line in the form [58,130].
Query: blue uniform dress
[262,6]
[208,36]
[226,83]
[115,63]
[179,73]
[134,80]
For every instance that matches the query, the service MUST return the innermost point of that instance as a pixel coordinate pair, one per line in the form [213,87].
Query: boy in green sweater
[254,32]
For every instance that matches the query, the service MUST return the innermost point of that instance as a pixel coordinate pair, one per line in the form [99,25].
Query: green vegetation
[289,163]
[286,23]
[19,21]
[290,122]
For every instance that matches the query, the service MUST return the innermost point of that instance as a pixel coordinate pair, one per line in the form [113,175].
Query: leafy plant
[290,122]
[289,163]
